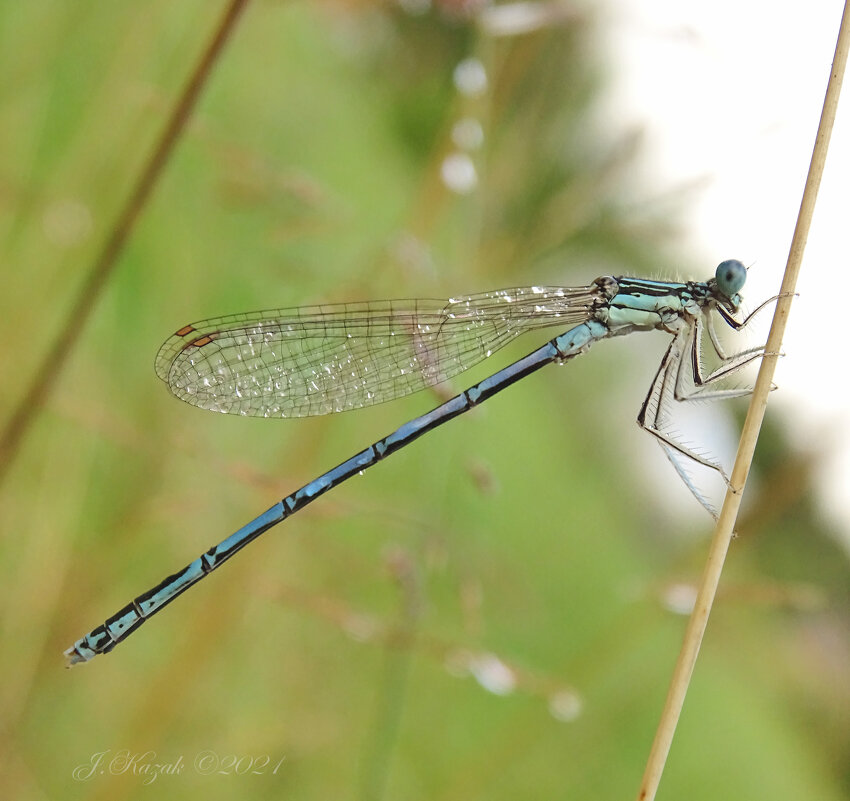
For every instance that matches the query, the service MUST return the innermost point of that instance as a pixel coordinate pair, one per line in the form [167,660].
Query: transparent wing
[316,360]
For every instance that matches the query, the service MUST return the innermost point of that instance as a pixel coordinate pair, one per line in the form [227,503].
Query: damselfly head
[730,277]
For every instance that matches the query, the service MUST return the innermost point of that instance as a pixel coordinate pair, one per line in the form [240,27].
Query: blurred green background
[491,613]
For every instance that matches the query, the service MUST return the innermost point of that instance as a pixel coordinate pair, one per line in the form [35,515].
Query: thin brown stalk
[725,524]
[66,339]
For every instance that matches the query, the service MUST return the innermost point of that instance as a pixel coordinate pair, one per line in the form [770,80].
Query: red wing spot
[186,329]
[200,342]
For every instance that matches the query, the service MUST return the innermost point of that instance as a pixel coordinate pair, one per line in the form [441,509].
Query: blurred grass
[311,172]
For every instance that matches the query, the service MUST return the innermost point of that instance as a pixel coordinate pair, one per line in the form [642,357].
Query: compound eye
[731,276]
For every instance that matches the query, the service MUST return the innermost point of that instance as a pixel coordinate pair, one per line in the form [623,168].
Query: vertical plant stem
[749,435]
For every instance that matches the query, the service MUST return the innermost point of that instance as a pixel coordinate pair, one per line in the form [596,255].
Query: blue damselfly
[318,360]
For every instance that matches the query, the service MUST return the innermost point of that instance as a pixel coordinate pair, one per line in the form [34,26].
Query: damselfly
[317,360]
